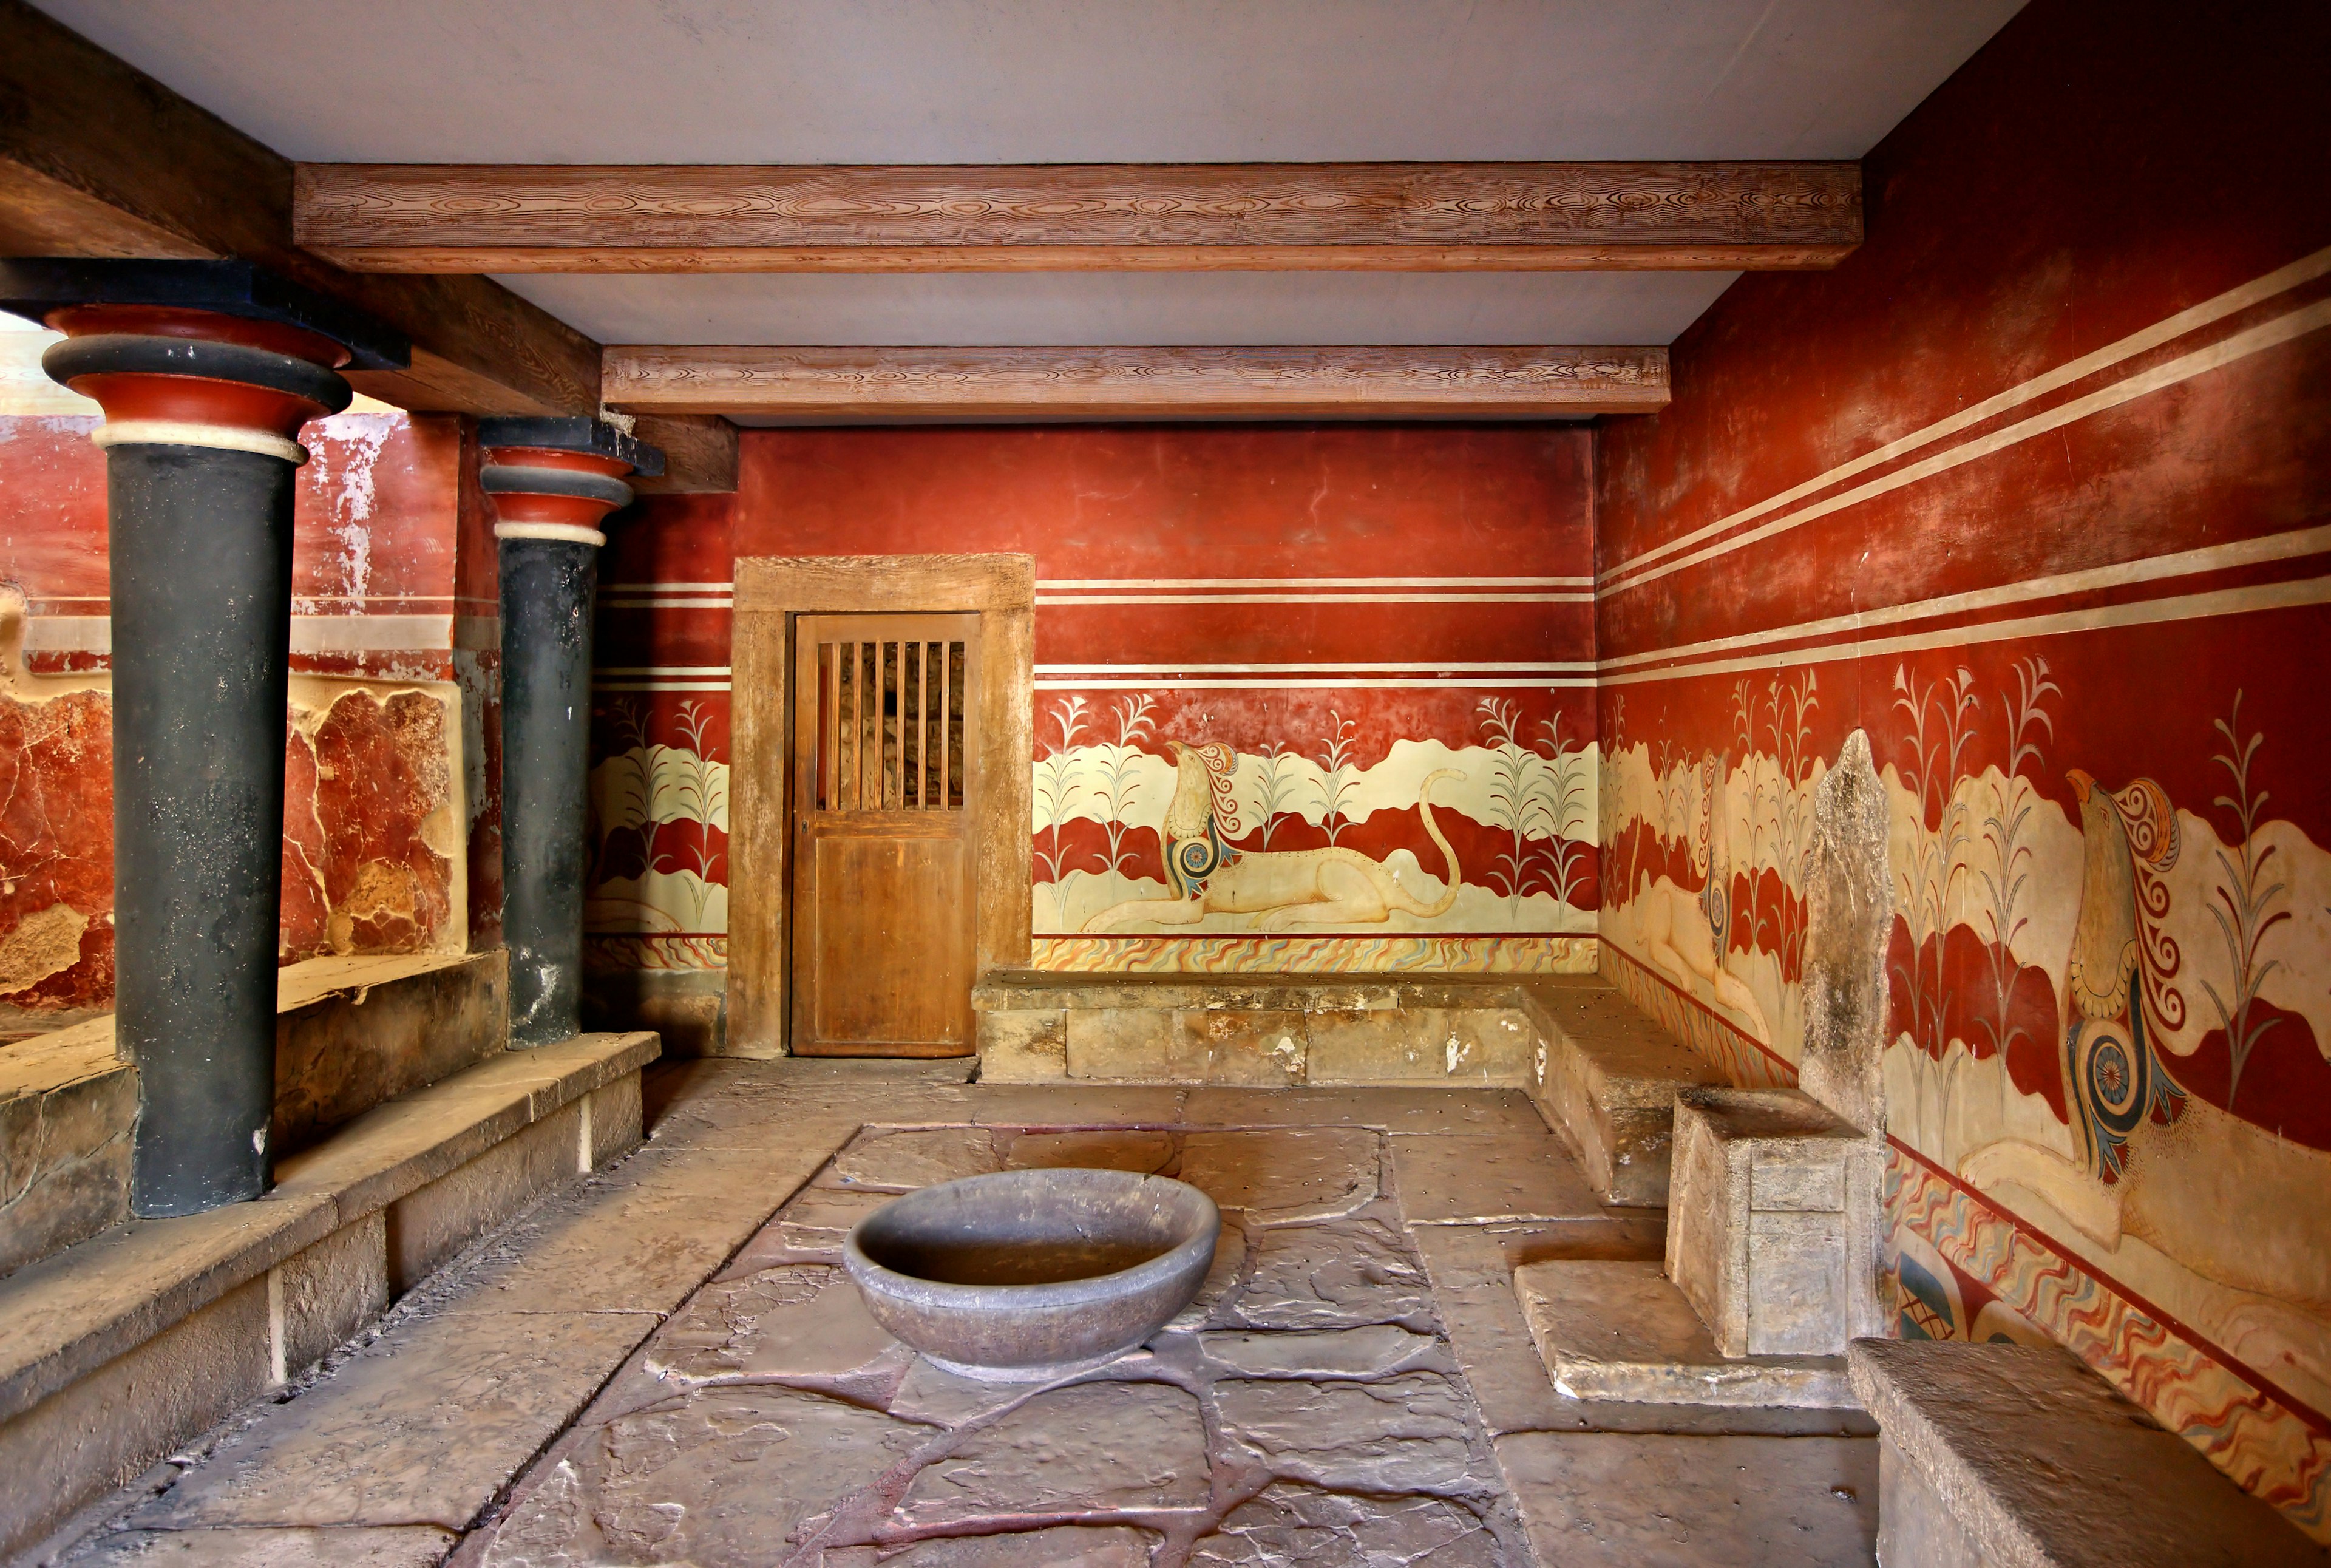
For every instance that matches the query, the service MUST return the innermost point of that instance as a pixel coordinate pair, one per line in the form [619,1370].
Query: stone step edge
[1801,1381]
[55,1338]
[1045,990]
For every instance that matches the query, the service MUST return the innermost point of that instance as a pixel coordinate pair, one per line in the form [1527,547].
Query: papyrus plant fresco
[660,816]
[1334,796]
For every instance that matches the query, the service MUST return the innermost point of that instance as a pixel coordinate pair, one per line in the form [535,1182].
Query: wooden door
[885,743]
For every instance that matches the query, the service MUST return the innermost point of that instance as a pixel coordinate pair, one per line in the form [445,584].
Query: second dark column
[551,481]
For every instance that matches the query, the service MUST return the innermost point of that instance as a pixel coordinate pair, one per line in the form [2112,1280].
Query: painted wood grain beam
[821,384]
[98,158]
[1097,217]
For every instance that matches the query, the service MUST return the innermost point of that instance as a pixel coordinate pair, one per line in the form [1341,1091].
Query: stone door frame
[770,592]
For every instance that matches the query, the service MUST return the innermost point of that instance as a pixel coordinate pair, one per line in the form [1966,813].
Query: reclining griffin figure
[1282,887]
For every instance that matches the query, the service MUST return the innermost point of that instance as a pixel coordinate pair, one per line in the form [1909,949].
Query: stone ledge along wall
[1332,612]
[389,818]
[2034,491]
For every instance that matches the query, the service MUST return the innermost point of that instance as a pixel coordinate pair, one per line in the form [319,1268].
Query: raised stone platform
[1450,1030]
[1773,1222]
[1605,1075]
[350,1032]
[1623,1331]
[2020,1457]
[127,1345]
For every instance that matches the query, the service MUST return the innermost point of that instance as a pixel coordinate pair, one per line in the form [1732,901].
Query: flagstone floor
[666,1364]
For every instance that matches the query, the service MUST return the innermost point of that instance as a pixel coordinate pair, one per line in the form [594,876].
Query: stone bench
[1273,1032]
[121,1347]
[2021,1457]
[1772,1221]
[1605,1075]
[350,1032]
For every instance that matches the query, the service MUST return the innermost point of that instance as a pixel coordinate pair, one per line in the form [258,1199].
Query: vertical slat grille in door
[890,726]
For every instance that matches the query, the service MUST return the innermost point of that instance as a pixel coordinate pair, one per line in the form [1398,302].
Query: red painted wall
[1315,598]
[389,839]
[2034,492]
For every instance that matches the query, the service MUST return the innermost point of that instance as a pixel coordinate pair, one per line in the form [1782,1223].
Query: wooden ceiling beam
[821,384]
[1079,217]
[97,159]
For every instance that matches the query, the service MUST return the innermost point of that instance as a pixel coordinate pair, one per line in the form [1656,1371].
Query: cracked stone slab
[424,1427]
[815,1225]
[1344,1275]
[795,1320]
[412,1546]
[1400,1110]
[619,1245]
[1288,1525]
[1143,1153]
[1063,1546]
[722,1475]
[1369,1352]
[1609,1499]
[1090,1448]
[1285,1177]
[900,1162]
[1475,1180]
[1407,1433]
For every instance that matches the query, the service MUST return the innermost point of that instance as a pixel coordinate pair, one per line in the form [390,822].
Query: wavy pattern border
[1747,1063]
[1316,955]
[605,954]
[2263,1445]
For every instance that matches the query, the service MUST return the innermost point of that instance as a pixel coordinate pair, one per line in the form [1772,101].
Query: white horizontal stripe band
[626,602]
[2241,346]
[565,533]
[2149,569]
[2234,300]
[186,432]
[660,685]
[663,670]
[1580,597]
[1227,684]
[1575,668]
[2142,613]
[1048,584]
[309,633]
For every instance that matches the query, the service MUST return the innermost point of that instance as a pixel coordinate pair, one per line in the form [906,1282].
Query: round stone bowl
[1026,1275]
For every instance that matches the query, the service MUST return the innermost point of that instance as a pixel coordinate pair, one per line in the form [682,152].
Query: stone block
[611,1122]
[67,1105]
[1767,1270]
[353,1032]
[2021,1456]
[1607,1074]
[412,1546]
[1024,1047]
[319,1299]
[426,1228]
[1255,1048]
[1290,1524]
[1097,1448]
[1622,1331]
[1463,1179]
[109,1427]
[424,1427]
[1477,1047]
[1591,1499]
[1409,1432]
[1281,1176]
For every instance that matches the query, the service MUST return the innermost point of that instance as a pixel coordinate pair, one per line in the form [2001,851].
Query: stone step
[1605,1075]
[126,1345]
[1260,1031]
[1622,1331]
[2021,1455]
[349,1033]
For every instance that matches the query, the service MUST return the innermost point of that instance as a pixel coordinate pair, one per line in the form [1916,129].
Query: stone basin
[1026,1275]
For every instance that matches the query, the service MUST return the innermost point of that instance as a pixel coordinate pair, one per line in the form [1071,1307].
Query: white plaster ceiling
[1065,82]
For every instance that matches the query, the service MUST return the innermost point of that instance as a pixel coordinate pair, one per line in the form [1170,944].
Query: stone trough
[1023,1275]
